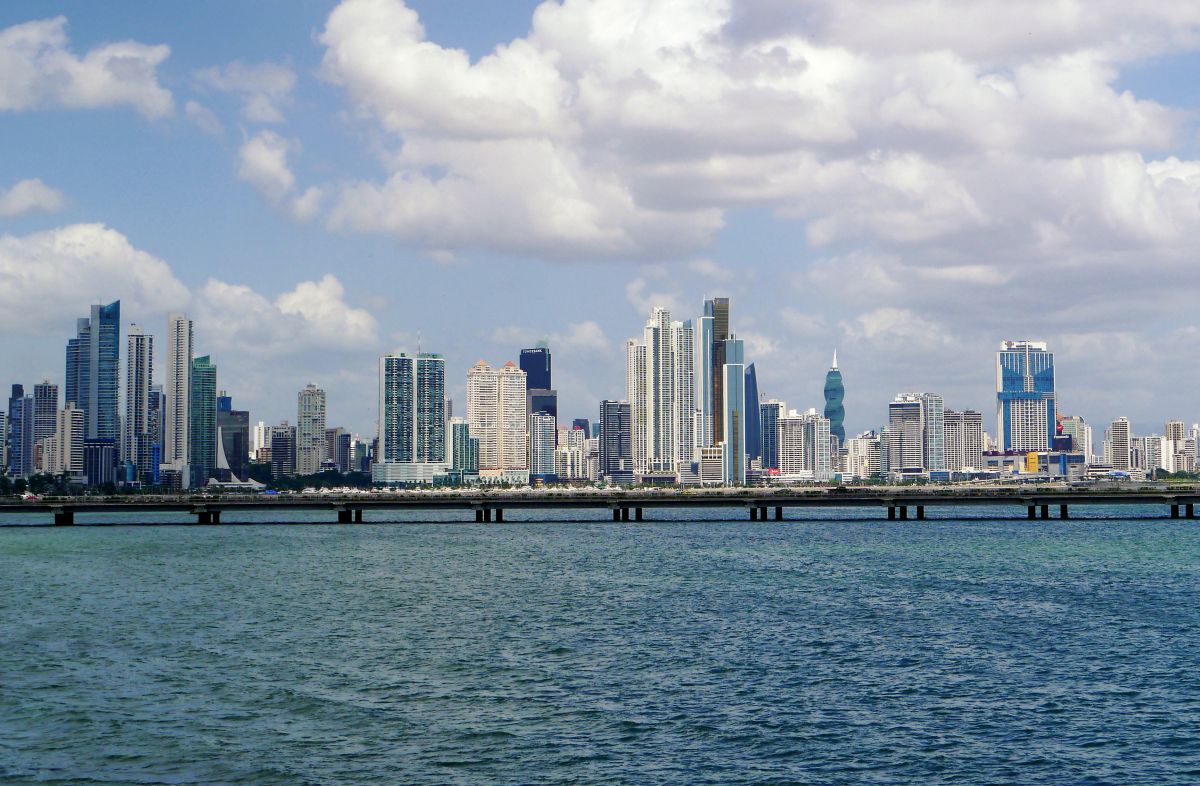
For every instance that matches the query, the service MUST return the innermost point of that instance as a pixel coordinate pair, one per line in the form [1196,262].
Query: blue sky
[896,186]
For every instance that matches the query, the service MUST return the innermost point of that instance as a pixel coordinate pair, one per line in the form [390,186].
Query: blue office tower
[1025,400]
[535,363]
[753,417]
[835,393]
[93,371]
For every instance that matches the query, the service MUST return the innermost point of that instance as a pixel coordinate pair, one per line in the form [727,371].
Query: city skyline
[857,231]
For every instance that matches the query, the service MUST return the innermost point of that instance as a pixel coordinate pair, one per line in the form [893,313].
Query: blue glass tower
[753,417]
[93,371]
[535,363]
[1025,399]
[733,395]
[835,393]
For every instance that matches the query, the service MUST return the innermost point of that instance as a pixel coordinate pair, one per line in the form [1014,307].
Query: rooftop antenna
[418,341]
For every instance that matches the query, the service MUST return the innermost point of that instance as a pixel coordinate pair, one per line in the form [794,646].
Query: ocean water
[844,649]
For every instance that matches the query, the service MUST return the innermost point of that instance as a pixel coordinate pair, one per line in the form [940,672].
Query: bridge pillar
[1045,511]
[920,512]
[904,512]
[1063,513]
[753,513]
[616,514]
[779,513]
[499,515]
[487,514]
[203,517]
[1191,510]
[1174,511]
[624,514]
[891,512]
[637,513]
[345,516]
[215,517]
[1033,511]
[358,516]
[64,517]
[762,513]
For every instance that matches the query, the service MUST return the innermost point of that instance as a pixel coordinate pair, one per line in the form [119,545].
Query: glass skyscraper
[835,393]
[202,421]
[93,372]
[753,416]
[535,363]
[1025,399]
[412,409]
[733,391]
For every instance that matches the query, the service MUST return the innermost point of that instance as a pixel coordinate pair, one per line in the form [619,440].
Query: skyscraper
[1120,442]
[963,441]
[233,442]
[176,410]
[412,419]
[139,378]
[541,445]
[465,448]
[835,393]
[93,371]
[717,310]
[733,391]
[310,429]
[202,421]
[20,433]
[45,410]
[283,451]
[804,446]
[1025,398]
[496,412]
[535,363]
[906,440]
[660,383]
[753,416]
[616,442]
[769,414]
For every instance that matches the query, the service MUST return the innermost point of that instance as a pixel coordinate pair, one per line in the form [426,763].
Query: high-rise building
[496,412]
[716,311]
[45,410]
[20,433]
[139,378]
[863,455]
[1120,445]
[769,414]
[542,442]
[907,425]
[464,448]
[233,442]
[935,432]
[202,421]
[93,371]
[804,446]
[616,442]
[1025,398]
[963,441]
[835,394]
[67,454]
[412,419]
[661,387]
[283,451]
[310,429]
[535,363]
[733,412]
[177,392]
[585,424]
[753,416]
[3,443]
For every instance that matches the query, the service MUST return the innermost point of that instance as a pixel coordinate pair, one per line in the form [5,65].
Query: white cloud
[28,196]
[46,278]
[40,71]
[644,300]
[265,89]
[203,118]
[710,270]
[263,163]
[581,337]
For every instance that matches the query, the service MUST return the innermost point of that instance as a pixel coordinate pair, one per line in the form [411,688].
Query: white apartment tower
[139,377]
[661,388]
[1120,444]
[497,416]
[177,392]
[310,430]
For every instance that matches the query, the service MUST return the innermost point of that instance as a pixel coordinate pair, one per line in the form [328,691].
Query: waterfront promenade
[756,504]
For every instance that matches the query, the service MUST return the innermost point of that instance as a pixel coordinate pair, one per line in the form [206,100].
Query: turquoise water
[848,650]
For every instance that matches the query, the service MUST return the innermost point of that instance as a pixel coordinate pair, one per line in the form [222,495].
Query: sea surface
[834,650]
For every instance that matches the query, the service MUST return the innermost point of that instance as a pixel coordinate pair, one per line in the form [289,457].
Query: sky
[907,182]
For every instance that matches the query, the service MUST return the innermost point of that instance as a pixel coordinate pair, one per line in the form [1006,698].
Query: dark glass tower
[93,372]
[718,310]
[835,392]
[202,428]
[535,363]
[753,416]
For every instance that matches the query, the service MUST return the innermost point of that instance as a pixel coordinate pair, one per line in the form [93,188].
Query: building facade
[139,379]
[202,421]
[733,413]
[177,392]
[412,415]
[310,429]
[661,390]
[497,415]
[835,394]
[1025,397]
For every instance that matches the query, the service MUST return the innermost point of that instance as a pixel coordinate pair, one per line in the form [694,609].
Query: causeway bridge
[758,504]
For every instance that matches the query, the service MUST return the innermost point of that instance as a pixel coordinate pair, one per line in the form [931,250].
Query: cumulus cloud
[29,196]
[47,277]
[265,89]
[40,71]
[263,163]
